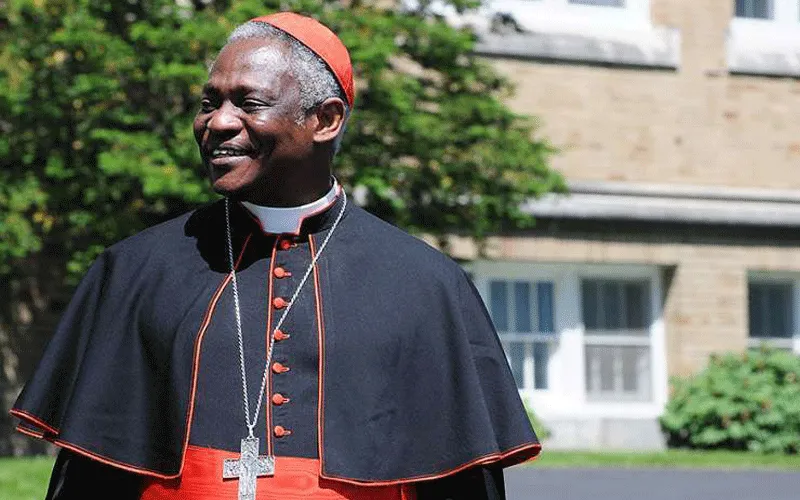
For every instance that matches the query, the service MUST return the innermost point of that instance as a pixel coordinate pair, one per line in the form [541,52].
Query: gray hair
[314,77]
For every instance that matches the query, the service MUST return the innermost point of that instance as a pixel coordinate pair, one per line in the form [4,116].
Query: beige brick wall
[705,308]
[695,125]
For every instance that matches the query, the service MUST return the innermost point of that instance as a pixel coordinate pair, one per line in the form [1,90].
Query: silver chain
[251,424]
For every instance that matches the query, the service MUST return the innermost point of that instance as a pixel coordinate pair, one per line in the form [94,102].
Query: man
[280,343]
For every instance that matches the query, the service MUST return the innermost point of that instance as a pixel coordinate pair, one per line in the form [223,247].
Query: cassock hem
[33,420]
[50,438]
[30,432]
[523,453]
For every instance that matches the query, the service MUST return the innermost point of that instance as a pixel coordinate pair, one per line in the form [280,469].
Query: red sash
[295,479]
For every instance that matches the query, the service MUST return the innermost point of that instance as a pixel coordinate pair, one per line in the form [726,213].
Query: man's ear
[330,118]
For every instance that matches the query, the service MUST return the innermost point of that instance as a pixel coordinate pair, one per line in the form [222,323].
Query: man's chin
[237,191]
[228,189]
[233,179]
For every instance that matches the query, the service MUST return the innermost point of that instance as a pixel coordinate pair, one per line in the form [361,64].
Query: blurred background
[620,178]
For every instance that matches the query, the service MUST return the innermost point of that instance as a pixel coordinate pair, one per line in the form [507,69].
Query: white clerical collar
[287,220]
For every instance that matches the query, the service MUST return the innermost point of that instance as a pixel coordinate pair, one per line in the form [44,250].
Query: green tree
[97,99]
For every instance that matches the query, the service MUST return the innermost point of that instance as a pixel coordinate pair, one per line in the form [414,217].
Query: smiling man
[281,342]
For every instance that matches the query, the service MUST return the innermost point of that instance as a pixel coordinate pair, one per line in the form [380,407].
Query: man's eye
[250,105]
[206,105]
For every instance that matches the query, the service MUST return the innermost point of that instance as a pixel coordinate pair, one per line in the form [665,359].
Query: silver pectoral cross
[248,467]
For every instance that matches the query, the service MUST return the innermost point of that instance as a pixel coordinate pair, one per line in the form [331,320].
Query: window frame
[556,30]
[563,12]
[793,279]
[785,21]
[567,395]
[765,46]
[785,13]
[625,337]
[586,2]
[530,338]
[770,10]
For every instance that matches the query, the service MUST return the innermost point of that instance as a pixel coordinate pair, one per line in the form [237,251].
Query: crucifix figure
[248,467]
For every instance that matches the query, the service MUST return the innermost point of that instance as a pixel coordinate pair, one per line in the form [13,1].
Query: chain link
[251,424]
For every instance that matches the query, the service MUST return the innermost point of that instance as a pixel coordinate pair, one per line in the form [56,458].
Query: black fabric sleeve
[480,483]
[77,478]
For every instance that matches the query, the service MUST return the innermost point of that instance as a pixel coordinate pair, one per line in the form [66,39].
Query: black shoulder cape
[415,382]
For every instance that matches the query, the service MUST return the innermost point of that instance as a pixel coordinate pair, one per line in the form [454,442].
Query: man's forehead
[268,57]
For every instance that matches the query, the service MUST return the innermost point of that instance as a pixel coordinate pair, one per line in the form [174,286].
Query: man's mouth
[228,152]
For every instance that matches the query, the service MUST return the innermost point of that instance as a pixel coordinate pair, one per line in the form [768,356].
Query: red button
[279,368]
[286,244]
[279,302]
[281,431]
[280,272]
[279,335]
[279,399]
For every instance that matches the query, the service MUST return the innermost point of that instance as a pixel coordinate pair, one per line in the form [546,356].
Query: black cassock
[387,369]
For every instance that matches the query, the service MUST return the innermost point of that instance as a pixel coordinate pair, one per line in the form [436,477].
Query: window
[577,5]
[522,312]
[616,318]
[601,3]
[582,339]
[770,310]
[764,37]
[754,9]
[615,32]
[771,306]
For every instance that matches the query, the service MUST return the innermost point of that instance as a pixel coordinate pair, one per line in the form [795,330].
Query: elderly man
[279,343]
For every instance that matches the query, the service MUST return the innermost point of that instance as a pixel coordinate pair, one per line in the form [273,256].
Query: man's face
[247,126]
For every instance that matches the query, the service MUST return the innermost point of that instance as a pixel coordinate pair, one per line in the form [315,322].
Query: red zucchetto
[322,41]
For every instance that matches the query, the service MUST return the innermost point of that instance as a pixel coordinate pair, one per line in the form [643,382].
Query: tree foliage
[747,401]
[97,99]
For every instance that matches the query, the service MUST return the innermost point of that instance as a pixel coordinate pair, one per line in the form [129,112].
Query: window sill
[773,343]
[611,398]
[758,47]
[583,36]
[656,48]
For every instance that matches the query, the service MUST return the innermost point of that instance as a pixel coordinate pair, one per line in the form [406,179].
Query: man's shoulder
[400,248]
[163,242]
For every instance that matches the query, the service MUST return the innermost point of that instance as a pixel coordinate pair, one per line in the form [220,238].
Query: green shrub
[747,401]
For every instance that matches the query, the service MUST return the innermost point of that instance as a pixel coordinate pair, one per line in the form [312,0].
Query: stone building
[677,131]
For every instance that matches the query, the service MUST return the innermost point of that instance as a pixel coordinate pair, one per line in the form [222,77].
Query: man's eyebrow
[239,89]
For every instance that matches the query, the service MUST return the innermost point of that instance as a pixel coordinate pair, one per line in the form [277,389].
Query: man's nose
[224,119]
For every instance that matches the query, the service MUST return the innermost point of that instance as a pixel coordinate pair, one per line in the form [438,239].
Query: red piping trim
[241,254]
[92,455]
[321,352]
[198,342]
[302,219]
[196,359]
[484,460]
[109,461]
[270,333]
[30,432]
[32,419]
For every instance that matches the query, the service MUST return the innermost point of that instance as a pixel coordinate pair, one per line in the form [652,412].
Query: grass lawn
[725,460]
[26,478]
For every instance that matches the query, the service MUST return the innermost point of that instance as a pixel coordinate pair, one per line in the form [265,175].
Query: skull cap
[321,41]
